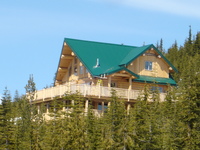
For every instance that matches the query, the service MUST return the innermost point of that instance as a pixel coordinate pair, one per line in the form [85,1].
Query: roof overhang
[66,57]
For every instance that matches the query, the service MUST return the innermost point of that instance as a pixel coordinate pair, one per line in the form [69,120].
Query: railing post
[43,94]
[99,90]
[51,93]
[60,90]
[69,87]
[84,94]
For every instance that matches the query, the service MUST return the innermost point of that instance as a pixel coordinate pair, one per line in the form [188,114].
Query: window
[113,84]
[86,71]
[148,65]
[100,106]
[159,89]
[75,71]
[81,69]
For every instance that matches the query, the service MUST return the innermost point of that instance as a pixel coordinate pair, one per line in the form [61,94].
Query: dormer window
[148,65]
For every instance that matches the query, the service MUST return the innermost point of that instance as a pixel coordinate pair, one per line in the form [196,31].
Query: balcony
[98,92]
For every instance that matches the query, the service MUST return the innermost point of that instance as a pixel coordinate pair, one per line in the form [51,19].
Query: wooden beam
[62,68]
[122,75]
[67,57]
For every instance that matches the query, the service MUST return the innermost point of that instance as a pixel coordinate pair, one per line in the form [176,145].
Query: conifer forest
[170,125]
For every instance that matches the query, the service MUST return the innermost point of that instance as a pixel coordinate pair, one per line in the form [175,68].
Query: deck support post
[38,108]
[108,104]
[64,104]
[129,91]
[86,106]
[47,108]
[102,104]
[129,88]
[128,108]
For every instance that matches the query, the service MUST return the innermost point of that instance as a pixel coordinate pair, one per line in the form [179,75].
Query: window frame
[148,65]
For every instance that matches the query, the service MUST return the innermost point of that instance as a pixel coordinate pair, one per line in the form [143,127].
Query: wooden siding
[159,67]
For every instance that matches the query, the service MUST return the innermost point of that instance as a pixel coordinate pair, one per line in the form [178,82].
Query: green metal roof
[157,80]
[111,57]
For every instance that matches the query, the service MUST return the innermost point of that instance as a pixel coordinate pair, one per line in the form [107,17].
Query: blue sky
[32,32]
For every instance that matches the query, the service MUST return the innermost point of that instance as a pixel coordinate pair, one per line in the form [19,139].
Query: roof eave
[65,40]
[59,63]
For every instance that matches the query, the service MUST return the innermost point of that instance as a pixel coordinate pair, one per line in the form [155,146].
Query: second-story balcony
[98,92]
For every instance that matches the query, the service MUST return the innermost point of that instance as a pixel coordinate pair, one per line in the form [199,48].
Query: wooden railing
[87,90]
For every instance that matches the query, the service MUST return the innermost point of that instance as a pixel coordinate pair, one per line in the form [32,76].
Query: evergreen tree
[196,47]
[159,46]
[189,103]
[188,45]
[145,114]
[116,124]
[7,122]
[94,127]
[171,133]
[27,125]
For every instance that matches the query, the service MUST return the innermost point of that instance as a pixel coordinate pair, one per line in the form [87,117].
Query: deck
[98,92]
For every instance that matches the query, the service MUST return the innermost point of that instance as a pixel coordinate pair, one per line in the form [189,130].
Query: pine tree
[171,133]
[145,114]
[7,121]
[94,127]
[189,103]
[116,124]
[196,47]
[27,126]
[188,45]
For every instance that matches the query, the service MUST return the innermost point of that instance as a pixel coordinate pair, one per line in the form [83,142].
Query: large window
[148,65]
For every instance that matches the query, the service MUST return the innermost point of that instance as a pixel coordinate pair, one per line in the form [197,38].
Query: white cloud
[178,7]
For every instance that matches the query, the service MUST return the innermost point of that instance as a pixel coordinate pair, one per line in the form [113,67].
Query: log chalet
[94,68]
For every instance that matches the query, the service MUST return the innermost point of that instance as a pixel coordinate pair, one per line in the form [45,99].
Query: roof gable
[133,54]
